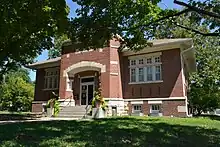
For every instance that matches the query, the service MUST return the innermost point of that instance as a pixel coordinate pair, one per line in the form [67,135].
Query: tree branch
[196,31]
[198,10]
[160,19]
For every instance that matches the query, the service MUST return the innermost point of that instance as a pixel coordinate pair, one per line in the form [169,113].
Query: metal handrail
[87,109]
[88,103]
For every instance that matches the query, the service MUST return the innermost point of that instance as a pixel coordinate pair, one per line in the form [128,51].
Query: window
[141,74]
[51,79]
[155,108]
[157,59]
[149,60]
[146,69]
[133,62]
[133,75]
[158,72]
[149,73]
[141,61]
[137,108]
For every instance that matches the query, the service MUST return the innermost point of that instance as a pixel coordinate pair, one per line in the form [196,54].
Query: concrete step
[73,111]
[70,116]
[73,108]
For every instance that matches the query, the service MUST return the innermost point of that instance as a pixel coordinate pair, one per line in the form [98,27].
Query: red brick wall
[110,84]
[40,93]
[37,107]
[115,80]
[94,56]
[168,108]
[171,76]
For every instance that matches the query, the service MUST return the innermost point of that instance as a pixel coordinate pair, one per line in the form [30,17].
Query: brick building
[150,81]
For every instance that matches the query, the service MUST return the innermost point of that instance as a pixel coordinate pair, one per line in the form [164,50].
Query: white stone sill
[51,89]
[68,90]
[150,82]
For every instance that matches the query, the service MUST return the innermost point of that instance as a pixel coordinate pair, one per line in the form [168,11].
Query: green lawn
[126,131]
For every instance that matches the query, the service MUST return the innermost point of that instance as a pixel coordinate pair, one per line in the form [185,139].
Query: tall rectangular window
[149,73]
[133,75]
[141,74]
[158,72]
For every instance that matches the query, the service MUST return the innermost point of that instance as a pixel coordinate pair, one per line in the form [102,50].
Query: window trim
[155,111]
[137,111]
[52,77]
[153,65]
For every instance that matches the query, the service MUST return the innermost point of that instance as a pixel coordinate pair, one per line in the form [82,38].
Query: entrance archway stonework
[72,71]
[84,66]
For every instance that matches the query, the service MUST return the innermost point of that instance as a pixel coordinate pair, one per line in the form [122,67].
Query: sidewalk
[36,120]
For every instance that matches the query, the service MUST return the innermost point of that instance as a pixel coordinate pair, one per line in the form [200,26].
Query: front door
[87,90]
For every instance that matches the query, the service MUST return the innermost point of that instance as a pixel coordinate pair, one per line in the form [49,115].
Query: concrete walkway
[38,120]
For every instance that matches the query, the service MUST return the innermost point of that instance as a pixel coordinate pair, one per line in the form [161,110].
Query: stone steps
[73,112]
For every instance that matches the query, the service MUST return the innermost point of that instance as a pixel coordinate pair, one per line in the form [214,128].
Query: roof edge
[45,64]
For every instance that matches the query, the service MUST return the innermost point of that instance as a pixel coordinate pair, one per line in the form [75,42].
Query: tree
[17,92]
[204,94]
[204,85]
[135,21]
[27,28]
[56,50]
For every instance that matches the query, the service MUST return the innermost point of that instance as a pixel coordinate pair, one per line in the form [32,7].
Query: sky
[73,6]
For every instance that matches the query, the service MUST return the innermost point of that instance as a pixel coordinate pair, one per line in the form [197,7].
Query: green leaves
[17,93]
[56,50]
[27,28]
[98,21]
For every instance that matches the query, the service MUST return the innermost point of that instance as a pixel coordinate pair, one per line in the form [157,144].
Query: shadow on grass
[212,117]
[107,132]
[17,116]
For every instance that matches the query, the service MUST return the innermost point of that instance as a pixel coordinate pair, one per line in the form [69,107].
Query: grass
[6,115]
[125,131]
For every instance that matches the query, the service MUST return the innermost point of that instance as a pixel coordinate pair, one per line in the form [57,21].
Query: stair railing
[84,116]
[68,102]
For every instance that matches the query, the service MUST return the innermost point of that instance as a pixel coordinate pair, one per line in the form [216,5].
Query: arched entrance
[82,80]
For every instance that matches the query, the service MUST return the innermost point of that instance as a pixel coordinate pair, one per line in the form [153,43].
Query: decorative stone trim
[154,102]
[114,62]
[117,103]
[114,74]
[137,102]
[84,65]
[156,99]
[181,108]
[145,55]
[114,46]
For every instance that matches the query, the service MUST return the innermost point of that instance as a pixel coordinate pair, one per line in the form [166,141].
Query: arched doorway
[83,79]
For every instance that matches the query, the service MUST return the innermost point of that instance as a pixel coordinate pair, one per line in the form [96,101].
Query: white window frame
[154,63]
[137,110]
[50,76]
[153,106]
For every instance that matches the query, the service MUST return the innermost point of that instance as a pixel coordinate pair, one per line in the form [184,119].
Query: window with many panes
[137,108]
[51,79]
[155,108]
[145,69]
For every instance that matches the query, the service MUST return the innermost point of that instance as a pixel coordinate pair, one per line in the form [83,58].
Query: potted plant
[53,107]
[98,105]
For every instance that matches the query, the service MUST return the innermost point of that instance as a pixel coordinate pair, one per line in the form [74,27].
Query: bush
[16,95]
